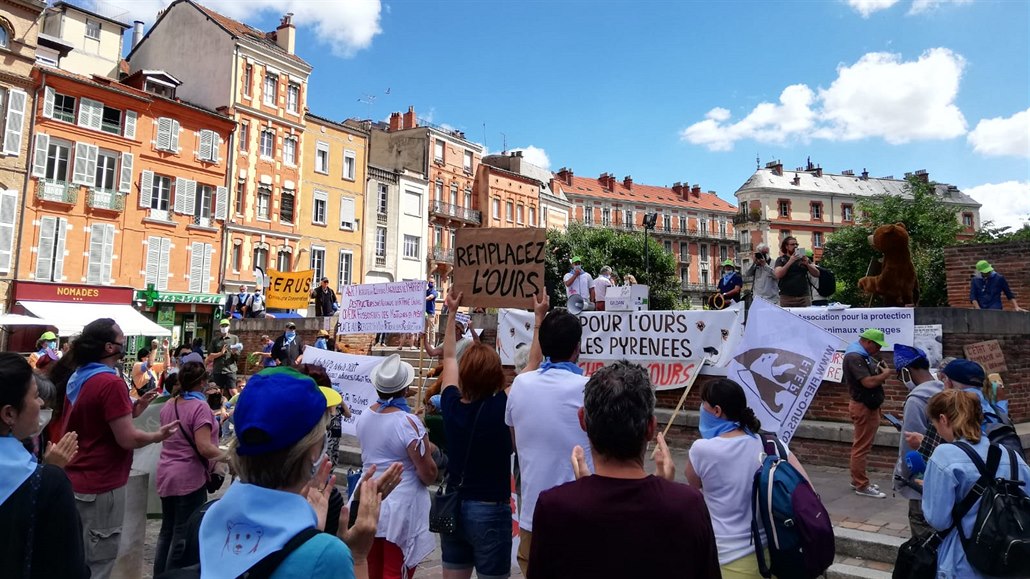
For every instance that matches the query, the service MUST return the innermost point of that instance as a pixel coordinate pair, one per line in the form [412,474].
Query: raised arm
[541,303]
[449,375]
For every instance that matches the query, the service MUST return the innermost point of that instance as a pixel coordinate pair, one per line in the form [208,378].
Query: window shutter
[196,266]
[189,205]
[8,211]
[129,131]
[162,266]
[39,158]
[153,258]
[45,250]
[80,172]
[146,189]
[217,156]
[108,255]
[49,96]
[91,165]
[221,202]
[91,113]
[174,145]
[179,203]
[209,251]
[347,212]
[205,145]
[62,233]
[164,133]
[16,100]
[125,176]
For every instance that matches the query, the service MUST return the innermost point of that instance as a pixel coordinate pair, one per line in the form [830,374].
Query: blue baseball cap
[965,372]
[905,355]
[278,407]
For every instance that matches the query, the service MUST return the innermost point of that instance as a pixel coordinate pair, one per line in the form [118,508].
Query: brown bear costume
[896,282]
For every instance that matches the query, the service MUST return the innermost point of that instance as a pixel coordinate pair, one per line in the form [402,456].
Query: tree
[623,251]
[988,233]
[932,225]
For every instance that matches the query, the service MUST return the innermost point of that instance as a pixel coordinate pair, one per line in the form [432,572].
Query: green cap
[875,336]
[224,322]
[576,258]
[47,336]
[728,262]
[983,267]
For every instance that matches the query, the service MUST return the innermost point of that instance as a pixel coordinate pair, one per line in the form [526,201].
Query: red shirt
[101,464]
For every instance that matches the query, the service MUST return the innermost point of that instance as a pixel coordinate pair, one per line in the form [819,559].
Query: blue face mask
[52,345]
[712,426]
[291,335]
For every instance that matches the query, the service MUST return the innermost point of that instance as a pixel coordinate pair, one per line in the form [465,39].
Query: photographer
[763,282]
[792,269]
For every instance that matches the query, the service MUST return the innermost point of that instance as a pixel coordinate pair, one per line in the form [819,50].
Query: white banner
[898,324]
[664,374]
[780,363]
[392,308]
[514,327]
[349,374]
[930,338]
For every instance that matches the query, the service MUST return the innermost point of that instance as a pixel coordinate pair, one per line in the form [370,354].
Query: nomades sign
[499,267]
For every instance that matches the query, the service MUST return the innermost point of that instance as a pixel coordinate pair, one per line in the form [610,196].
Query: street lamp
[649,222]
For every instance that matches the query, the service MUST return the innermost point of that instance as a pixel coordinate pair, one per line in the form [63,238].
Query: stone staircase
[863,555]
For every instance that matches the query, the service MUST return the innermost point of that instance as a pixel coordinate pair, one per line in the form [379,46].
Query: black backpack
[999,545]
[1003,432]
[827,282]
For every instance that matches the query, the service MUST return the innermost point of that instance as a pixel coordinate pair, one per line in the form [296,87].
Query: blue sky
[690,91]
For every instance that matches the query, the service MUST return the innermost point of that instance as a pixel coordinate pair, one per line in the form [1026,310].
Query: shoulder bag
[445,512]
[214,479]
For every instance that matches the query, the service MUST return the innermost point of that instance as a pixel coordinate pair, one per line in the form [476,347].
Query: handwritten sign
[988,354]
[835,371]
[390,308]
[350,376]
[499,267]
[289,290]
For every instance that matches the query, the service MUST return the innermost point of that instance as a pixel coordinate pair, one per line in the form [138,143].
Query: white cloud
[535,155]
[347,27]
[867,7]
[878,96]
[1000,136]
[920,6]
[1006,204]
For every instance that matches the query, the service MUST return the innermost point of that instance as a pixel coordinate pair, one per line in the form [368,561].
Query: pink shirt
[180,471]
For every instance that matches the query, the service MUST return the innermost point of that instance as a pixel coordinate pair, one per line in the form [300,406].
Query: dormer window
[93,29]
[160,89]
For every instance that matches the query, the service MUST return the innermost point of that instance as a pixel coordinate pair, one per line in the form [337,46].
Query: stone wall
[1009,259]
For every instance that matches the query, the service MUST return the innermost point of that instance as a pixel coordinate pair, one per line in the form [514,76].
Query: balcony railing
[745,247]
[695,287]
[462,213]
[380,261]
[443,255]
[676,231]
[381,218]
[105,199]
[742,217]
[57,191]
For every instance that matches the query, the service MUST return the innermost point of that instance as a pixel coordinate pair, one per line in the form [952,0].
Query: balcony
[440,208]
[380,261]
[381,218]
[695,287]
[57,191]
[442,255]
[105,199]
[752,217]
[745,247]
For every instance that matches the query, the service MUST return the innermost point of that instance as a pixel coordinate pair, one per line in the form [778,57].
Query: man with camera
[792,269]
[763,282]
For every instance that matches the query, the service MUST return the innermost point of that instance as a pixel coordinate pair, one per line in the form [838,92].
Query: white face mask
[45,415]
[225,330]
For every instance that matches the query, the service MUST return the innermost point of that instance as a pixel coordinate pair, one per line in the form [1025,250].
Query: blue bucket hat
[278,407]
[965,372]
[905,355]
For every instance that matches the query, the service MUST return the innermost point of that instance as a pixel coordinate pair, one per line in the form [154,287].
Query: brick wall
[1009,259]
[249,331]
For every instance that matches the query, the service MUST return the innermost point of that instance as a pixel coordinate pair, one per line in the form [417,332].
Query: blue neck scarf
[247,524]
[726,277]
[567,366]
[193,395]
[16,466]
[856,348]
[712,426]
[81,375]
[399,402]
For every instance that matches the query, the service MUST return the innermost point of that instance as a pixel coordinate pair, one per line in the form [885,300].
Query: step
[866,545]
[845,571]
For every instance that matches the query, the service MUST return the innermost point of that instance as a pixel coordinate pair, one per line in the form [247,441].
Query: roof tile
[238,28]
[649,194]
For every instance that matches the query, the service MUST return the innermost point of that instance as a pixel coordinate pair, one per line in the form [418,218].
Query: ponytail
[729,396]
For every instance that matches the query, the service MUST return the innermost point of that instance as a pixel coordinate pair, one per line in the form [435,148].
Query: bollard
[134,528]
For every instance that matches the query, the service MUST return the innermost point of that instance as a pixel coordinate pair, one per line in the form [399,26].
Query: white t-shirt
[581,286]
[543,408]
[726,466]
[601,285]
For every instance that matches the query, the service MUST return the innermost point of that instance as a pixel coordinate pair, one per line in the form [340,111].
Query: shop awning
[20,320]
[72,317]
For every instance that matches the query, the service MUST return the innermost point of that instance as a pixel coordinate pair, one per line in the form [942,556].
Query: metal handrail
[105,199]
[57,191]
[465,214]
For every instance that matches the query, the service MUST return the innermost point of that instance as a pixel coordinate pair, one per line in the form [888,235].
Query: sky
[689,91]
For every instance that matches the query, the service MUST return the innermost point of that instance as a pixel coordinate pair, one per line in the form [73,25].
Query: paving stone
[850,525]
[879,566]
[869,528]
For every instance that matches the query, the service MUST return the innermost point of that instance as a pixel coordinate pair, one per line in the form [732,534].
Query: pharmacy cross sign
[150,294]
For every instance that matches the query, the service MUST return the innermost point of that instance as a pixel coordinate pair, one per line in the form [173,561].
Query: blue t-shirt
[321,556]
[269,362]
[986,291]
[431,304]
[726,285]
[487,477]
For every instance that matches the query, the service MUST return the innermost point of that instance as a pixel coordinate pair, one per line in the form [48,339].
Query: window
[264,201]
[454,194]
[244,136]
[318,262]
[106,170]
[722,229]
[290,151]
[267,144]
[208,144]
[350,163]
[784,207]
[380,242]
[64,108]
[683,223]
[704,226]
[495,208]
[167,135]
[784,234]
[248,79]
[704,277]
[347,220]
[588,215]
[261,257]
[241,191]
[438,237]
[468,199]
[509,211]
[817,239]
[467,163]
[287,200]
[4,38]
[817,211]
[606,216]
[438,191]
[411,246]
[282,261]
[101,254]
[668,246]
[967,220]
[57,161]
[382,199]
[8,214]
[346,266]
[847,213]
[520,212]
[321,199]
[629,218]
[111,121]
[438,151]
[156,267]
[271,89]
[93,29]
[237,256]
[704,252]
[161,193]
[204,199]
[292,97]
[322,158]
[200,267]
[413,203]
[50,249]
[532,216]
[723,253]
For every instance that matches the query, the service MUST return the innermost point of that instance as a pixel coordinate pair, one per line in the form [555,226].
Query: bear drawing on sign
[896,283]
[242,538]
[773,372]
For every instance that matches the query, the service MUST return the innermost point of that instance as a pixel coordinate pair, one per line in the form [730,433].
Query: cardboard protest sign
[391,308]
[349,374]
[988,354]
[898,324]
[499,267]
[289,290]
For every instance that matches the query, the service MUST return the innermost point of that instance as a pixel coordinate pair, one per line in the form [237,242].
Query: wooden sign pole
[679,406]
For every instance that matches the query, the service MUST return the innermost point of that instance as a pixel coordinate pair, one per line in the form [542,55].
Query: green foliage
[932,225]
[988,233]
[621,250]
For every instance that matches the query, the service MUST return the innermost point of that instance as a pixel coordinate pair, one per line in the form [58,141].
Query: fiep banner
[391,308]
[289,290]
[349,374]
[499,267]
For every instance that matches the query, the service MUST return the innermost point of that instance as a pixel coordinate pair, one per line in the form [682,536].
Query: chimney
[865,174]
[696,191]
[286,34]
[627,182]
[818,171]
[677,188]
[395,122]
[923,176]
[776,166]
[797,180]
[410,120]
[847,173]
[565,176]
[137,33]
[517,153]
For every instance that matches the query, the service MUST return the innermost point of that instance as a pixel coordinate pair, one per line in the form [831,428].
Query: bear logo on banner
[777,376]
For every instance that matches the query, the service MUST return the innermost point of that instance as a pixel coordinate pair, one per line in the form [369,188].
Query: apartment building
[551,208]
[695,227]
[92,43]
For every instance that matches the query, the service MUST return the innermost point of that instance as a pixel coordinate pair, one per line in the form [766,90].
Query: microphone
[915,462]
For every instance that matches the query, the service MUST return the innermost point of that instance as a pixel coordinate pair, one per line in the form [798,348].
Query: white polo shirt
[581,286]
